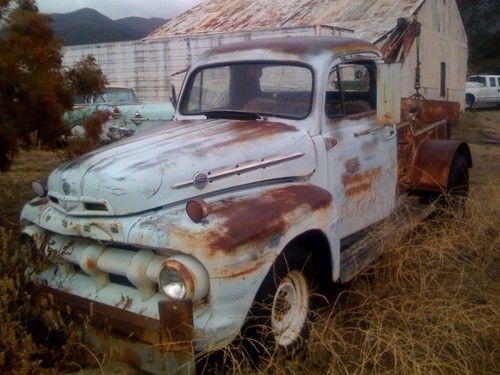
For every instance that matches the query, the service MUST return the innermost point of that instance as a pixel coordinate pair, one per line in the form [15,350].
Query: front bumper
[158,346]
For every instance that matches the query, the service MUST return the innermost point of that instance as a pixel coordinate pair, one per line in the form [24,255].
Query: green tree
[33,91]
[86,78]
[483,31]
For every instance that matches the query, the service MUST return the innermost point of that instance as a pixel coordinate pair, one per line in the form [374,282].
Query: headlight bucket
[182,277]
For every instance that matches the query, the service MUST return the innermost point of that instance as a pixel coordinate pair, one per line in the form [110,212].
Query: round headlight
[172,283]
[39,188]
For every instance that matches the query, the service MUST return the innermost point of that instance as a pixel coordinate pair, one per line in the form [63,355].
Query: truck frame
[284,155]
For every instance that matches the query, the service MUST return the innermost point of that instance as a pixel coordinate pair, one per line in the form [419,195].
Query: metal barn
[398,27]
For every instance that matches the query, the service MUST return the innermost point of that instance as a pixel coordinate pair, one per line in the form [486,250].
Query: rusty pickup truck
[284,154]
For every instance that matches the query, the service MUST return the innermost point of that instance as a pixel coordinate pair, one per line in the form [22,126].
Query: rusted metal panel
[399,43]
[432,163]
[137,340]
[370,19]
[300,48]
[176,325]
[425,152]
[124,322]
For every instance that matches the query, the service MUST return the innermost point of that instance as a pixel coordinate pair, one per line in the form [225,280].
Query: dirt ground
[481,128]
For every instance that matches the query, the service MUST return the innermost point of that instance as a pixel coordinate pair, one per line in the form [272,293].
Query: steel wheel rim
[290,308]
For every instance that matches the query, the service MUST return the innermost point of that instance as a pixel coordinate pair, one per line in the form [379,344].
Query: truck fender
[431,165]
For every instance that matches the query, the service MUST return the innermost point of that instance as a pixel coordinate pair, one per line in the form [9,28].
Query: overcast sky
[120,8]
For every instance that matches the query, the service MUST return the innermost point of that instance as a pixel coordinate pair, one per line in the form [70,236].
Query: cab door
[493,91]
[361,152]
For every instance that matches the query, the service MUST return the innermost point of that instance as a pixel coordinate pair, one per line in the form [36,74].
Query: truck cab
[283,155]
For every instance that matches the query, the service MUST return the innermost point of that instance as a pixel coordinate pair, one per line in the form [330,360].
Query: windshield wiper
[228,114]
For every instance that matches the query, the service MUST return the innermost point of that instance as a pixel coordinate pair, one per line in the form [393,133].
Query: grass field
[431,305]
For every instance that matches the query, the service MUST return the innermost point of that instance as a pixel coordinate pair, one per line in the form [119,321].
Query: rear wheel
[278,321]
[457,188]
[454,197]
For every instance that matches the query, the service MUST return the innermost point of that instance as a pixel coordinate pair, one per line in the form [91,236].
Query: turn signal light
[197,209]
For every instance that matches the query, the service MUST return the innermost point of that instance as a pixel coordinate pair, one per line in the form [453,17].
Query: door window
[351,89]
[493,82]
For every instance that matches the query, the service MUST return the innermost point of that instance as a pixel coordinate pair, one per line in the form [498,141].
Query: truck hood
[162,166]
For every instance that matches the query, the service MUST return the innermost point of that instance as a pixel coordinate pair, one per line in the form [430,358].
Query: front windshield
[117,95]
[269,89]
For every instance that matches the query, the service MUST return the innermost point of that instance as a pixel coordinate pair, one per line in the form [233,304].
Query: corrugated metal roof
[369,19]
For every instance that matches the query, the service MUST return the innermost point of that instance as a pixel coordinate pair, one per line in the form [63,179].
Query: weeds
[431,305]
[33,339]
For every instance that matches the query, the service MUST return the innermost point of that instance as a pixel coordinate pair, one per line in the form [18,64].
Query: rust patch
[352,165]
[361,178]
[230,272]
[122,322]
[176,325]
[91,264]
[420,163]
[128,303]
[299,46]
[244,131]
[257,218]
[358,190]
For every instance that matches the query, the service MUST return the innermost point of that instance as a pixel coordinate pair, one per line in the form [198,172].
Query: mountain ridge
[88,26]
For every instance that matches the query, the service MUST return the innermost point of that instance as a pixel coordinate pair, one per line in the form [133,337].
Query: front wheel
[290,310]
[469,101]
[278,321]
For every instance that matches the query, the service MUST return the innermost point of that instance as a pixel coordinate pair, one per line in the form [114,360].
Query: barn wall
[147,65]
[443,39]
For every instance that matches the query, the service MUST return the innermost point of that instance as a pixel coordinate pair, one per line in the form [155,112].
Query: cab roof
[292,48]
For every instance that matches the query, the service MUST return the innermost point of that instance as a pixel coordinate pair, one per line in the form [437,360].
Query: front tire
[469,101]
[278,321]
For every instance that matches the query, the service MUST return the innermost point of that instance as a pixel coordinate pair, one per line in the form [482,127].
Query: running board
[357,256]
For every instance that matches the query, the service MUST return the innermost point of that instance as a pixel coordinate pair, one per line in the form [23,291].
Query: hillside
[86,26]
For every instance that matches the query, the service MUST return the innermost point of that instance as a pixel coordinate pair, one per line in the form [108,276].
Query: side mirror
[389,93]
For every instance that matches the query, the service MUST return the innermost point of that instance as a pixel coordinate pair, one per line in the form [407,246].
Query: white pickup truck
[284,155]
[482,90]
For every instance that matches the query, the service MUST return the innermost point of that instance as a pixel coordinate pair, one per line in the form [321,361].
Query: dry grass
[28,345]
[431,305]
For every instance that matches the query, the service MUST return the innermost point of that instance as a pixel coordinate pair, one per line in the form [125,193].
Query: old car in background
[127,114]
[287,157]
[482,90]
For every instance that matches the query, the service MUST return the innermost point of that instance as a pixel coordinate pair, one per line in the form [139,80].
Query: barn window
[443,79]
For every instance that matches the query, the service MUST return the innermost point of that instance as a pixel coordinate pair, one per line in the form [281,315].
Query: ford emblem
[200,180]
